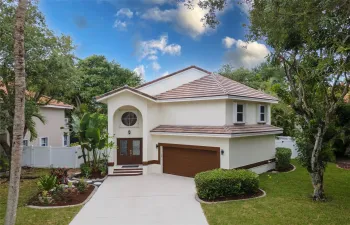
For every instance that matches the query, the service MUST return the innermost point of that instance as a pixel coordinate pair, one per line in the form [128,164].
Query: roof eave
[220,135]
[121,90]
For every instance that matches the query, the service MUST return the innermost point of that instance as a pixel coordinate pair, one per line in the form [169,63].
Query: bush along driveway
[288,201]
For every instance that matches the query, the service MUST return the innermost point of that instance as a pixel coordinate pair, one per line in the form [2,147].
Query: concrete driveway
[149,199]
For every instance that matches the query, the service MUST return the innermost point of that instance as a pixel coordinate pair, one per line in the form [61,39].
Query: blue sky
[154,37]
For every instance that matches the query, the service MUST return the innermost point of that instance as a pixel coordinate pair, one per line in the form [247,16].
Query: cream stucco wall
[206,113]
[54,121]
[249,150]
[173,81]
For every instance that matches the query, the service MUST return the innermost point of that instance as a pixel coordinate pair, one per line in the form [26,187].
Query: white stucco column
[145,139]
[111,132]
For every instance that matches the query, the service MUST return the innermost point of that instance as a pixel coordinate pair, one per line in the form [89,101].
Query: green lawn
[28,216]
[288,201]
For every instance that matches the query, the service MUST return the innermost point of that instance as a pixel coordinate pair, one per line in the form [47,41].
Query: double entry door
[129,151]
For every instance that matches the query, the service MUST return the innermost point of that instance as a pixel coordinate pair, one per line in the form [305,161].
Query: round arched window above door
[129,119]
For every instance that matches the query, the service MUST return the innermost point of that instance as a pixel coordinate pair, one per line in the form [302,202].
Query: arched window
[129,119]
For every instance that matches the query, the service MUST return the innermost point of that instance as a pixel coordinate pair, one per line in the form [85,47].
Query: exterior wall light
[129,132]
[222,151]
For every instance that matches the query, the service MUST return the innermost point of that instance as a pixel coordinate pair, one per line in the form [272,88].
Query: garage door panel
[189,161]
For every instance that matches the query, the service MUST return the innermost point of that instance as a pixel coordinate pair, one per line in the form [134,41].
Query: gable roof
[214,85]
[52,103]
[126,87]
[172,74]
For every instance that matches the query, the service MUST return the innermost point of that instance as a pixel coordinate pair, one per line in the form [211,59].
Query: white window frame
[26,141]
[66,122]
[67,145]
[259,113]
[42,142]
[235,106]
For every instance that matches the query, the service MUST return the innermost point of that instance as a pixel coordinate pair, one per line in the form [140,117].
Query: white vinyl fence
[287,142]
[52,157]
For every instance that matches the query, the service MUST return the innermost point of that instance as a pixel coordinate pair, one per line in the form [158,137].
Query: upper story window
[129,119]
[239,113]
[262,114]
[25,142]
[44,141]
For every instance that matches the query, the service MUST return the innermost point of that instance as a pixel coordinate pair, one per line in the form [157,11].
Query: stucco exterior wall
[211,113]
[249,150]
[122,131]
[55,120]
[173,82]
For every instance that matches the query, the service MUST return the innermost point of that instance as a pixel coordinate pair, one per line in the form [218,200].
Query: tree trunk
[18,123]
[317,169]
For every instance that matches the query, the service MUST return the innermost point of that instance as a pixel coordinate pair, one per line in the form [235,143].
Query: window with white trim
[239,111]
[65,140]
[262,113]
[44,141]
[25,142]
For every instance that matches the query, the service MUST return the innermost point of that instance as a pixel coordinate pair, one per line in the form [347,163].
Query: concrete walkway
[150,199]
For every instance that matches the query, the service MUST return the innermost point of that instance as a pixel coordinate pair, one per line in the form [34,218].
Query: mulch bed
[290,168]
[92,176]
[238,197]
[73,199]
[344,163]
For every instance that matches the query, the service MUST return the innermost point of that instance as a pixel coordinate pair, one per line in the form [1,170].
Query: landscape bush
[47,183]
[283,156]
[85,170]
[61,174]
[221,183]
[81,186]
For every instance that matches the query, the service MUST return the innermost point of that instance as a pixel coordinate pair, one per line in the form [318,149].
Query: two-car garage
[188,160]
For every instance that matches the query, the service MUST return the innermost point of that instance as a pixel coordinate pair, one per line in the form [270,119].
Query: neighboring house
[190,121]
[55,131]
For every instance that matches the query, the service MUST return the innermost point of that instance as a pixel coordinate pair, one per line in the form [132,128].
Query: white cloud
[245,7]
[140,70]
[125,12]
[185,20]
[153,47]
[228,42]
[152,57]
[120,25]
[165,73]
[155,66]
[246,54]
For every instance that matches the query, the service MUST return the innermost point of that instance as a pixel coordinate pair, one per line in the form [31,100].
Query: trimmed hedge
[283,156]
[220,183]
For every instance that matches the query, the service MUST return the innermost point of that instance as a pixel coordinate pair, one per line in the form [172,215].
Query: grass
[30,216]
[288,201]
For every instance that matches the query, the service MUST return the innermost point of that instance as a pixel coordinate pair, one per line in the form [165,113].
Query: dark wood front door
[129,151]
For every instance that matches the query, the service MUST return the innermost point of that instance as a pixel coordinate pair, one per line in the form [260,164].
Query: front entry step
[127,171]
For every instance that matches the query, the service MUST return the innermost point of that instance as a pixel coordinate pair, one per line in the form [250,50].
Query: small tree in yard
[311,41]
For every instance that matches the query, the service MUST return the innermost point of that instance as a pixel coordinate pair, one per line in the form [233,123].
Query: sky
[154,37]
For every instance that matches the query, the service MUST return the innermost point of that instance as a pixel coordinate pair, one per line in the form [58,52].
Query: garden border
[277,172]
[235,200]
[73,178]
[65,206]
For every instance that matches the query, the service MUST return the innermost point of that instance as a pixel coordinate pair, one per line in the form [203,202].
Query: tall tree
[18,125]
[97,76]
[311,40]
[49,60]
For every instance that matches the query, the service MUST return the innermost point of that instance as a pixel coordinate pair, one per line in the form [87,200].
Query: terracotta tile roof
[213,85]
[125,88]
[227,129]
[43,99]
[172,74]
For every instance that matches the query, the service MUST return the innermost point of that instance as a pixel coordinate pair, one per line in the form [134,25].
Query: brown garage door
[188,160]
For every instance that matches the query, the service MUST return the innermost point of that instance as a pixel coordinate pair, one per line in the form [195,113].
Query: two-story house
[54,132]
[187,122]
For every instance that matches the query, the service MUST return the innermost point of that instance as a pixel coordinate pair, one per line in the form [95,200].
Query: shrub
[283,156]
[61,174]
[220,183]
[81,186]
[85,170]
[47,183]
